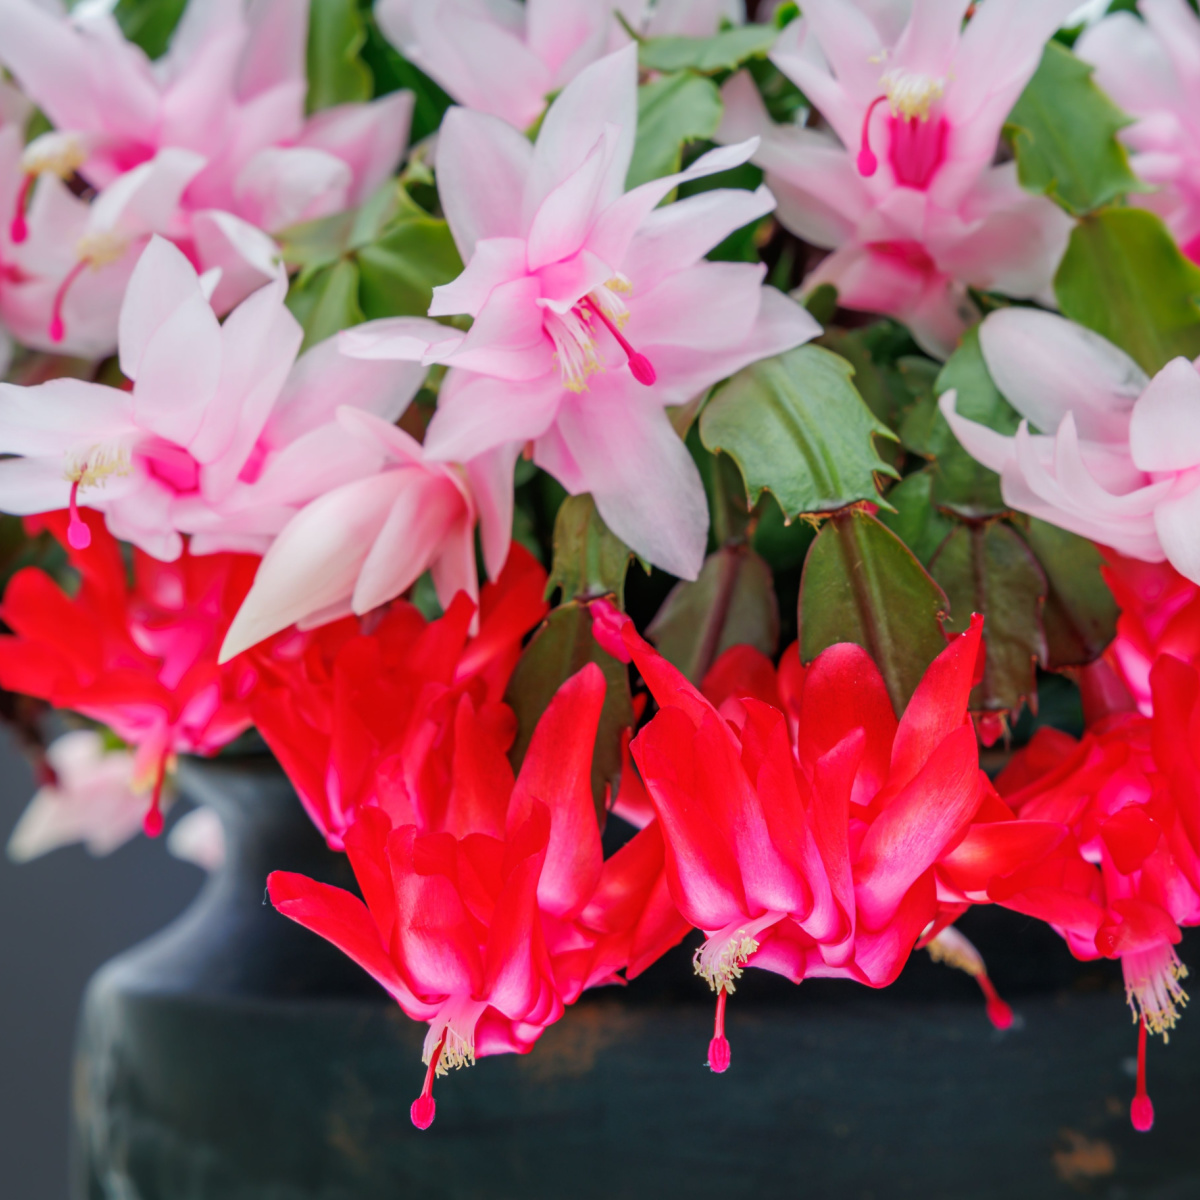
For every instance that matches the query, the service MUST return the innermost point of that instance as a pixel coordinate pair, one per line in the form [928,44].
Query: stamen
[1141,1111]
[719,1053]
[79,536]
[867,163]
[424,1107]
[152,823]
[1152,987]
[910,93]
[639,365]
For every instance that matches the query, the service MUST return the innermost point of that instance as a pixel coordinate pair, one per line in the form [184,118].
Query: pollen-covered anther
[456,1052]
[911,94]
[1153,988]
[719,965]
[91,467]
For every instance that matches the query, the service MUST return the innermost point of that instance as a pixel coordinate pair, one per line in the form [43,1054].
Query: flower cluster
[884,308]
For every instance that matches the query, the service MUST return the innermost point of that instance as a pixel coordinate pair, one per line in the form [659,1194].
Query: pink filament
[719,1053]
[18,231]
[999,1013]
[1141,1111]
[424,1107]
[79,536]
[152,822]
[867,163]
[57,328]
[639,364]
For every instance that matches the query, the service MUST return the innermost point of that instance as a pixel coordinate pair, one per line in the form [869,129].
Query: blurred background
[64,914]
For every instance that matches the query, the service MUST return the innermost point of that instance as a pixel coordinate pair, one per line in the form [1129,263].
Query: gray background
[62,916]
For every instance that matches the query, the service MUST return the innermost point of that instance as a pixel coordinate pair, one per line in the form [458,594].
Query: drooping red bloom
[1129,792]
[361,713]
[136,651]
[803,823]
[1160,614]
[490,925]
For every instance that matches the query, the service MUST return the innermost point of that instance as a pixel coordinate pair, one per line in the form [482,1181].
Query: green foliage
[1124,276]
[916,521]
[1063,132]
[589,559]
[1080,617]
[381,260]
[862,584]
[326,302]
[562,646]
[336,72]
[149,23]
[796,426]
[724,51]
[959,483]
[672,111]
[731,603]
[986,568]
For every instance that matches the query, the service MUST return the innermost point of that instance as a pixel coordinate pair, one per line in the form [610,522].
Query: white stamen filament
[101,247]
[574,336]
[91,467]
[1152,987]
[60,154]
[911,94]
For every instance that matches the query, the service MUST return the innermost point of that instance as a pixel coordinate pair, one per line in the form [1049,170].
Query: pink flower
[506,59]
[593,311]
[229,93]
[223,435]
[91,800]
[905,194]
[1151,68]
[362,544]
[1119,458]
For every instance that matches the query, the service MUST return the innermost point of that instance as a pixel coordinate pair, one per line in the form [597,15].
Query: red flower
[1128,792]
[363,714]
[805,843]
[487,927]
[140,656]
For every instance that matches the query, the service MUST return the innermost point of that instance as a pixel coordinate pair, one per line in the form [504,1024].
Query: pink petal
[482,165]
[1047,366]
[1164,431]
[496,261]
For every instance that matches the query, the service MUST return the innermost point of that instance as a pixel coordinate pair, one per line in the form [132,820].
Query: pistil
[79,536]
[95,250]
[867,161]
[719,1053]
[639,365]
[1141,1111]
[424,1107]
[60,154]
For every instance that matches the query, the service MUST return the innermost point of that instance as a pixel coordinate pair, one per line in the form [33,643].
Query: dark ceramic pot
[237,1057]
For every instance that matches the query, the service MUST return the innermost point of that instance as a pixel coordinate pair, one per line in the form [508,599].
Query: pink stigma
[719,1053]
[152,822]
[866,162]
[424,1107]
[57,328]
[999,1013]
[1141,1111]
[18,231]
[79,536]
[639,365]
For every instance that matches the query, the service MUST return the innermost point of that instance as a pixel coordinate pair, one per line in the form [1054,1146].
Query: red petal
[1132,925]
[997,849]
[741,671]
[558,771]
[938,706]
[1131,837]
[914,829]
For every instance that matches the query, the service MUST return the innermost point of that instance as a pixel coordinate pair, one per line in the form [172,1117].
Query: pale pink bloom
[594,310]
[93,800]
[364,543]
[507,58]
[1151,68]
[198,837]
[230,92]
[902,187]
[1118,458]
[224,435]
